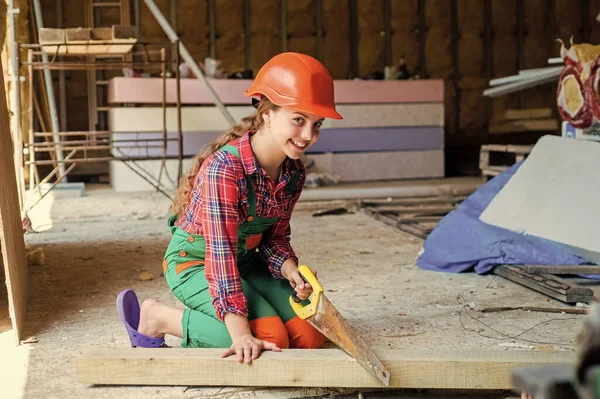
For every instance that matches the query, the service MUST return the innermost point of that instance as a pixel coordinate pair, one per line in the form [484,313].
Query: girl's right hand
[247,348]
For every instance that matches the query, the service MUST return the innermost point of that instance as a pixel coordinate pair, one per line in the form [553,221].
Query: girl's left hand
[302,288]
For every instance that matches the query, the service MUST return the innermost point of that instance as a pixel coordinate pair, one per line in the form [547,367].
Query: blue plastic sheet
[461,242]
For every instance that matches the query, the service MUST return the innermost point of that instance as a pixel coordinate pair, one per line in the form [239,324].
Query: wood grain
[314,368]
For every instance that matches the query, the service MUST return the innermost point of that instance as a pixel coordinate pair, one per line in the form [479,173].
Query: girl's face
[294,131]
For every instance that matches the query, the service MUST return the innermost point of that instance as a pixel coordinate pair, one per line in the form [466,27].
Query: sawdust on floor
[105,242]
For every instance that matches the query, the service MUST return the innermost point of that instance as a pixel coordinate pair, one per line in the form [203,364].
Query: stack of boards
[391,129]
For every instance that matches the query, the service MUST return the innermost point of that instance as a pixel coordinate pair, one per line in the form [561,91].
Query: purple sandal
[129,310]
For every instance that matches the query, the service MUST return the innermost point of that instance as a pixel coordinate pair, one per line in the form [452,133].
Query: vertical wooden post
[387,32]
[11,231]
[353,38]
[283,26]
[421,33]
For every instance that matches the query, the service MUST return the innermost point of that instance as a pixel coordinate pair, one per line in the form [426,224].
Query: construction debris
[547,284]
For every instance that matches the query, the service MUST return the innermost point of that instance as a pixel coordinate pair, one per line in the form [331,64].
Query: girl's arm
[220,215]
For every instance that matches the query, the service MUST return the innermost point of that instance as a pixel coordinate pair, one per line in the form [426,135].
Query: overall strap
[251,195]
[293,184]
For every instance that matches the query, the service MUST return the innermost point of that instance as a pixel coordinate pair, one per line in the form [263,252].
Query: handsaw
[322,315]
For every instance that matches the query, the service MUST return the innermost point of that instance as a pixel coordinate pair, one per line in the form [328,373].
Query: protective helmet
[297,81]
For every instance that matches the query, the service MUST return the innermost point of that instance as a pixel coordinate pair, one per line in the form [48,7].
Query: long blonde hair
[249,123]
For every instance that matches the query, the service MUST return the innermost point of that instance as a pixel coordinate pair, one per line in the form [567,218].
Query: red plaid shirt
[219,204]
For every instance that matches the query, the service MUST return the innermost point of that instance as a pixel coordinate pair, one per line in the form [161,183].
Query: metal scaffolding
[98,146]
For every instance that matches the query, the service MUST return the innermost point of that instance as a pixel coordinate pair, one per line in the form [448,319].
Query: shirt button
[182,253]
[250,218]
[190,239]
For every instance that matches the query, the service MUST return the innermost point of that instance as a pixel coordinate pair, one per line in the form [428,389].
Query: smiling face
[294,131]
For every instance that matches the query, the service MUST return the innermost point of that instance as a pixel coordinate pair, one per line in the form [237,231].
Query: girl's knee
[303,335]
[271,329]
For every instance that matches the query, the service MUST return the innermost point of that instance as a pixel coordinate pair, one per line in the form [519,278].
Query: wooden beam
[12,243]
[526,125]
[560,269]
[307,368]
[353,12]
[532,113]
[547,284]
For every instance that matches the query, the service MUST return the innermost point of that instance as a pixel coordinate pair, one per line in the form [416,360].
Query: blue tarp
[461,242]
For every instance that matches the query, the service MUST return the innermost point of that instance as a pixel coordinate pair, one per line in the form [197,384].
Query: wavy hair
[249,123]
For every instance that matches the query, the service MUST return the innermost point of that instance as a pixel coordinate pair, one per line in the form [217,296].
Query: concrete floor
[97,245]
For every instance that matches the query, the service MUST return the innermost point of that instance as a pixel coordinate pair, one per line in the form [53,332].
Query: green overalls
[184,272]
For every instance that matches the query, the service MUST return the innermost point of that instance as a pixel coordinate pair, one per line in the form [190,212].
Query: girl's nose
[307,133]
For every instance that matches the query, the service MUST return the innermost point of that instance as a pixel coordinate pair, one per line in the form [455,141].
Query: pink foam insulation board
[554,196]
[385,165]
[350,167]
[123,90]
[209,118]
[193,119]
[381,115]
[331,140]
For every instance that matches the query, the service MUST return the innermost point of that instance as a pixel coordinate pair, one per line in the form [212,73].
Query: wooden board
[533,125]
[11,232]
[117,39]
[533,113]
[546,284]
[315,368]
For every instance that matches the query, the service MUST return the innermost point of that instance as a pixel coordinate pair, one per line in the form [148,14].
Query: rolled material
[571,98]
[592,91]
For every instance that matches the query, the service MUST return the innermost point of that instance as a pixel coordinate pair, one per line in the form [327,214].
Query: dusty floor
[99,244]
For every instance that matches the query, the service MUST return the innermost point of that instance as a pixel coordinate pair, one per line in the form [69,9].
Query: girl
[230,260]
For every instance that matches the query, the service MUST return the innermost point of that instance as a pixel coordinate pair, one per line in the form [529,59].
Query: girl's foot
[150,319]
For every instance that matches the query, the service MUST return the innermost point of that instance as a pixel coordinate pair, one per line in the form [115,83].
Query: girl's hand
[290,271]
[302,288]
[247,348]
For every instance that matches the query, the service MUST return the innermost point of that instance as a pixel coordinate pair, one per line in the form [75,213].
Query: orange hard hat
[298,81]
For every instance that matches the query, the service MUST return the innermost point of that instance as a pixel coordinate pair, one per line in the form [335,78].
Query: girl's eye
[299,121]
[318,124]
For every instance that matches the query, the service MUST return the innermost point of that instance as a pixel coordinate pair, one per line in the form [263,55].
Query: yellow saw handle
[304,312]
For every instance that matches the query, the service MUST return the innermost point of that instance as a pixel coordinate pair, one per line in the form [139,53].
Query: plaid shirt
[219,204]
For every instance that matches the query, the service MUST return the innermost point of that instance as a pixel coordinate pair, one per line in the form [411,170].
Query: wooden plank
[534,125]
[394,222]
[315,368]
[416,209]
[514,148]
[560,269]
[412,201]
[11,231]
[51,36]
[123,32]
[76,35]
[547,284]
[533,113]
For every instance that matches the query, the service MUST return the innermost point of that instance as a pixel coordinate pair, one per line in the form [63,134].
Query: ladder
[98,14]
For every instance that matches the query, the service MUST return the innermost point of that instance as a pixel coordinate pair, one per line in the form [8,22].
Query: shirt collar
[250,162]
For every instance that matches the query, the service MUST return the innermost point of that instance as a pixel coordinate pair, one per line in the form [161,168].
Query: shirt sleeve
[275,248]
[220,216]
